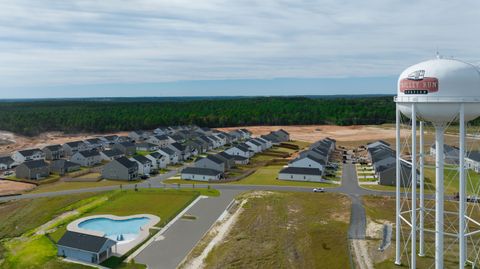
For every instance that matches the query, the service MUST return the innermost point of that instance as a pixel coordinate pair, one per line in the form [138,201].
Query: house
[211,162]
[195,147]
[308,161]
[222,137]
[245,133]
[171,155]
[216,142]
[6,162]
[388,175]
[267,143]
[377,143]
[121,169]
[108,140]
[22,156]
[241,160]
[472,161]
[300,174]
[208,142]
[235,135]
[159,160]
[144,164]
[85,247]
[146,147]
[283,135]
[161,131]
[63,167]
[87,158]
[450,154]
[205,130]
[94,143]
[71,148]
[201,174]
[159,140]
[227,158]
[127,148]
[33,170]
[181,151]
[254,145]
[53,152]
[240,150]
[110,155]
[138,135]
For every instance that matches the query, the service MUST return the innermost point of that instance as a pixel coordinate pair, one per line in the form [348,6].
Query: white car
[319,190]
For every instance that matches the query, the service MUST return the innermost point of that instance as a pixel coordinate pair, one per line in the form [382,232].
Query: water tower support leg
[462,193]
[397,201]
[413,256]
[439,195]
[422,194]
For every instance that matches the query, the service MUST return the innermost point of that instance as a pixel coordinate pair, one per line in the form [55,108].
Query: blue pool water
[119,230]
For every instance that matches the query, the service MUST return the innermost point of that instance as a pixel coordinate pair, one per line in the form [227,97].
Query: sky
[86,48]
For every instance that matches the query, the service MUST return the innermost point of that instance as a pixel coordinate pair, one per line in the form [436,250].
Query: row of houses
[311,164]
[213,167]
[383,160]
[175,145]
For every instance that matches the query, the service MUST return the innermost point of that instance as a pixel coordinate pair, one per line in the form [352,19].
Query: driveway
[181,237]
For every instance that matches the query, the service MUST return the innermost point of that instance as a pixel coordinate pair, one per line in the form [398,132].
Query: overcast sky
[233,47]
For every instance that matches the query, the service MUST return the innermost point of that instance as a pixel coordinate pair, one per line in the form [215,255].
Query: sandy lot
[312,133]
[11,187]
[12,142]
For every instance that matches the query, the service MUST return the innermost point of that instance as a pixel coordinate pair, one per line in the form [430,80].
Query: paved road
[184,234]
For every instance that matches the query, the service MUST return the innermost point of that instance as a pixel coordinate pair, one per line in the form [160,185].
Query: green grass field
[62,185]
[287,230]
[38,251]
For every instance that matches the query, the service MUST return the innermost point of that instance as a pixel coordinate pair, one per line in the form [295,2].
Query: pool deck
[121,248]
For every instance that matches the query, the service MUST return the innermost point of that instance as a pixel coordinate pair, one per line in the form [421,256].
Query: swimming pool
[120,230]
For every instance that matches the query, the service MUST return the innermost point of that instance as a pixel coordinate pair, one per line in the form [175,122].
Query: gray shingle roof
[29,152]
[53,147]
[89,153]
[6,160]
[201,171]
[112,153]
[35,164]
[141,159]
[126,162]
[82,241]
[301,171]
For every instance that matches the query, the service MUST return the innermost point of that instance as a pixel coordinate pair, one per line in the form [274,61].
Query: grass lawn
[62,185]
[90,175]
[287,230]
[267,175]
[20,216]
[51,177]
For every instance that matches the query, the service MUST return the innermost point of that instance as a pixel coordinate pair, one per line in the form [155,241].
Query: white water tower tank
[438,87]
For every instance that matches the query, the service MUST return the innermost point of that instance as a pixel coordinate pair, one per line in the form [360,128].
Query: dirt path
[361,255]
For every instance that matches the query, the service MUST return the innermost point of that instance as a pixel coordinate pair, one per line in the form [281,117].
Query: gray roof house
[240,150]
[171,155]
[6,162]
[144,164]
[201,174]
[33,170]
[300,174]
[87,158]
[53,152]
[158,160]
[138,135]
[121,169]
[227,158]
[159,140]
[28,155]
[146,147]
[451,154]
[211,162]
[85,247]
[388,176]
[127,148]
[63,167]
[110,155]
[71,148]
[94,143]
[472,161]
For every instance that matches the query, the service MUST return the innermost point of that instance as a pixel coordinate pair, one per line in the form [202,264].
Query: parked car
[8,173]
[319,190]
[144,177]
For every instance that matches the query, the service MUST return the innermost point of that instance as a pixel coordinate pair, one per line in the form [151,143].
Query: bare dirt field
[11,187]
[12,142]
[312,133]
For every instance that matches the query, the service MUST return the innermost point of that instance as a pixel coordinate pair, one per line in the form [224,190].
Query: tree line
[34,117]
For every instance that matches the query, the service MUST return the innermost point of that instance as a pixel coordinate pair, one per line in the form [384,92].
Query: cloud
[78,42]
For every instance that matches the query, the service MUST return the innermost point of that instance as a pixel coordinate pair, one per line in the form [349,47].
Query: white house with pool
[94,239]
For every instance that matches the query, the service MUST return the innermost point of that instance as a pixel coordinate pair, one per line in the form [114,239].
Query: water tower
[439,92]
